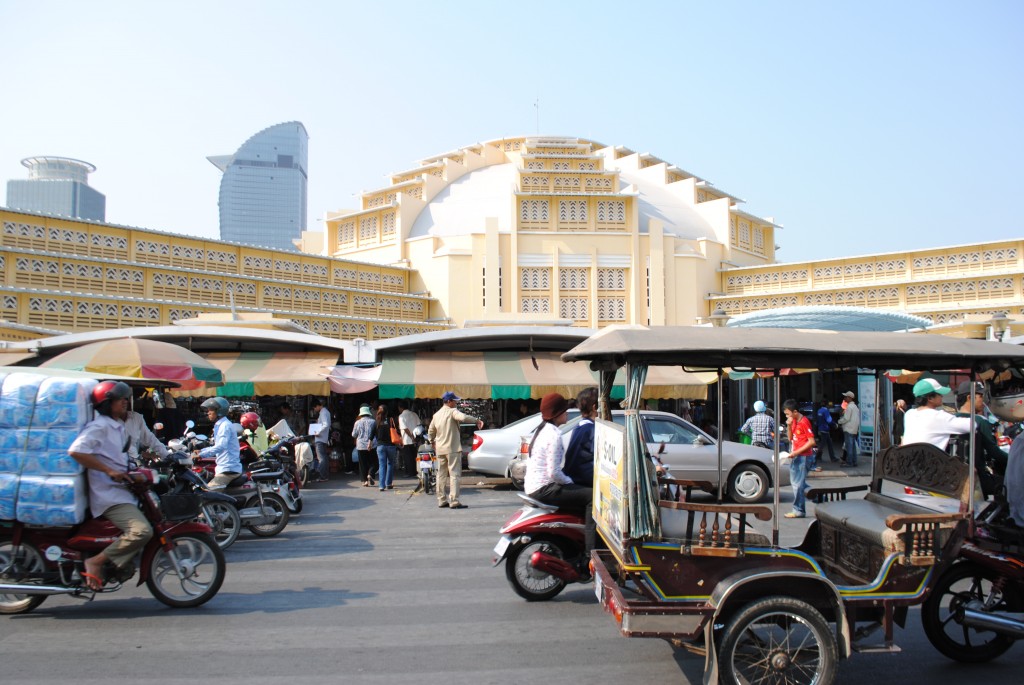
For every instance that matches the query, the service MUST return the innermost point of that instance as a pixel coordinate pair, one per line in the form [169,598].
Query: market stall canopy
[767,348]
[9,357]
[349,380]
[140,358]
[514,375]
[250,374]
[65,373]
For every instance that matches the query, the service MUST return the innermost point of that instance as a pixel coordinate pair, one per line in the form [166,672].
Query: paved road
[366,588]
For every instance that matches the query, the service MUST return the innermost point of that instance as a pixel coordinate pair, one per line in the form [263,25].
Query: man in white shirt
[407,422]
[927,422]
[142,439]
[321,442]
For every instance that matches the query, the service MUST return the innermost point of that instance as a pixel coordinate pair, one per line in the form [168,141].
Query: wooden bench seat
[857,535]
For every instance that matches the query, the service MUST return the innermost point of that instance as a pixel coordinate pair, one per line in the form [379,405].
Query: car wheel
[748,483]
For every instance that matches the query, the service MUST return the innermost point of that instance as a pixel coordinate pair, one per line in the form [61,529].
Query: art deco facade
[546,228]
[60,275]
[542,228]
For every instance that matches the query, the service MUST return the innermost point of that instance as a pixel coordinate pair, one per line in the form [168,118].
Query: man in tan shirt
[444,433]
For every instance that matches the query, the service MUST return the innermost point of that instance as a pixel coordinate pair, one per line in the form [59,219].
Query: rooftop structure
[58,186]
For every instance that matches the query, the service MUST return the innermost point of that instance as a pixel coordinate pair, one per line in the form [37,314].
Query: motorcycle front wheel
[275,504]
[190,576]
[223,518]
[19,564]
[962,583]
[529,583]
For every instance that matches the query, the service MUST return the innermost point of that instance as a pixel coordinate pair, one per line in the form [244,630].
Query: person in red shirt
[801,437]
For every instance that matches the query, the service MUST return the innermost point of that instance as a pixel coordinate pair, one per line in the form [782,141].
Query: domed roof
[463,206]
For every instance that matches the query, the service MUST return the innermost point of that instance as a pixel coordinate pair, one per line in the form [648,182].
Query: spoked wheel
[529,583]
[304,475]
[962,583]
[18,564]
[271,503]
[778,640]
[223,518]
[190,576]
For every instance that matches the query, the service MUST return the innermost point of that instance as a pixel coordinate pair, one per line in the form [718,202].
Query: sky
[861,127]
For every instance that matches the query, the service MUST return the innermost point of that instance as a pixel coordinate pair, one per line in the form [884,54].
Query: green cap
[927,386]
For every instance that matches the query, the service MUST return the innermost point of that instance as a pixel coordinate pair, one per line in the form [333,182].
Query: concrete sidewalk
[834,469]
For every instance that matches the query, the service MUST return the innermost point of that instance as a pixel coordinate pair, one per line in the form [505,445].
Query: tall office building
[57,185]
[263,191]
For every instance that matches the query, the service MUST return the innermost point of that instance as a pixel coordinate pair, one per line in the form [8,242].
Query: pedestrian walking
[387,450]
[364,431]
[408,420]
[823,428]
[850,423]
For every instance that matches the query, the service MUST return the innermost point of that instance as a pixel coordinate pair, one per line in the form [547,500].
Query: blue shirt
[760,426]
[579,455]
[224,447]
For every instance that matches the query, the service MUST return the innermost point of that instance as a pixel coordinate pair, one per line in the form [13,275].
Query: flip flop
[93,582]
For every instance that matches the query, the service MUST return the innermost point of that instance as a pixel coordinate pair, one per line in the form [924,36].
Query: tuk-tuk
[683,570]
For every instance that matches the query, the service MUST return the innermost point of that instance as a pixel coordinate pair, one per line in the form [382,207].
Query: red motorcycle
[181,564]
[541,547]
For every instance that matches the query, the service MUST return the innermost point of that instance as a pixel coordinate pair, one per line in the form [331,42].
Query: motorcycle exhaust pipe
[17,589]
[973,615]
[559,568]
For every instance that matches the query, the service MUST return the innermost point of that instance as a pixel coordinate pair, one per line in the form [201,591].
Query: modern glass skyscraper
[263,191]
[57,185]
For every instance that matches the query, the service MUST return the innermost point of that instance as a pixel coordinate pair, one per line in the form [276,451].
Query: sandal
[93,582]
[367,484]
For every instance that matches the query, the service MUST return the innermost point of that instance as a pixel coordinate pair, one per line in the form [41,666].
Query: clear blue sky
[863,127]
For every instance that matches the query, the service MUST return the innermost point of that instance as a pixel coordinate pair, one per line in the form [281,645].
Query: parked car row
[687,451]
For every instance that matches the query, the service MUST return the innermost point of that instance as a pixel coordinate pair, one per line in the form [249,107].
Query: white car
[494,448]
[691,454]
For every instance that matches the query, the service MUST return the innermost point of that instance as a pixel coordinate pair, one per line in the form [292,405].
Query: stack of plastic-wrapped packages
[39,419]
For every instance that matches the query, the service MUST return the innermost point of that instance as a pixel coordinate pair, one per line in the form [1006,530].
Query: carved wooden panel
[924,466]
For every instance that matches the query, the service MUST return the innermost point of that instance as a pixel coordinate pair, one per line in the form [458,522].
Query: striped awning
[516,376]
[251,374]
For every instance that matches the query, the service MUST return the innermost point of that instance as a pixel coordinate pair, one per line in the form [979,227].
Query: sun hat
[927,386]
[449,396]
[760,406]
[365,411]
[552,405]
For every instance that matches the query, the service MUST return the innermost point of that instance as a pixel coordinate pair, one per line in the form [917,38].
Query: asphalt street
[371,587]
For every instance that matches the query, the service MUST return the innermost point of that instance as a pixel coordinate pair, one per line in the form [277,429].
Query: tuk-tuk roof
[696,347]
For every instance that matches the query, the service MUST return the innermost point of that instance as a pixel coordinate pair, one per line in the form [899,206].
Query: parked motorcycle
[542,547]
[181,565]
[217,510]
[261,509]
[426,462]
[973,614]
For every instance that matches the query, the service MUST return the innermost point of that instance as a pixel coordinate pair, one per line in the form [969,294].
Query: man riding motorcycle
[225,444]
[100,448]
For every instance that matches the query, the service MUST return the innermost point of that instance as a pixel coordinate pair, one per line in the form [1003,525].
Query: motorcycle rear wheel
[281,513]
[962,583]
[223,518]
[527,582]
[17,565]
[197,580]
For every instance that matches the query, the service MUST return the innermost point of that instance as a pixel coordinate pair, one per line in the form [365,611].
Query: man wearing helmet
[225,444]
[101,449]
[760,426]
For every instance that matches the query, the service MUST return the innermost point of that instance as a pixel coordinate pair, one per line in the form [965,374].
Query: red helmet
[107,391]
[250,420]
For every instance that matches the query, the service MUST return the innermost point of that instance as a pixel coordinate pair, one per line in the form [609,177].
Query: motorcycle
[426,462]
[542,547]
[278,461]
[217,510]
[181,565]
[973,614]
[261,509]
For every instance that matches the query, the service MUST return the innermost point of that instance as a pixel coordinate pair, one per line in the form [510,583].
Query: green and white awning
[515,376]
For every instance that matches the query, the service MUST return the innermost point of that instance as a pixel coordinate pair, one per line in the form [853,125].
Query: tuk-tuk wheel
[778,639]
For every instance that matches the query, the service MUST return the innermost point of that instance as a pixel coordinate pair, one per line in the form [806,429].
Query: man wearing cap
[989,461]
[926,422]
[760,426]
[850,423]
[444,433]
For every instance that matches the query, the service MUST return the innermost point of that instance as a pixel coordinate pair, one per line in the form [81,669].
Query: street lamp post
[719,318]
[1000,323]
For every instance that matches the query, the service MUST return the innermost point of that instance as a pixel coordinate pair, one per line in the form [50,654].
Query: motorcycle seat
[240,480]
[536,503]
